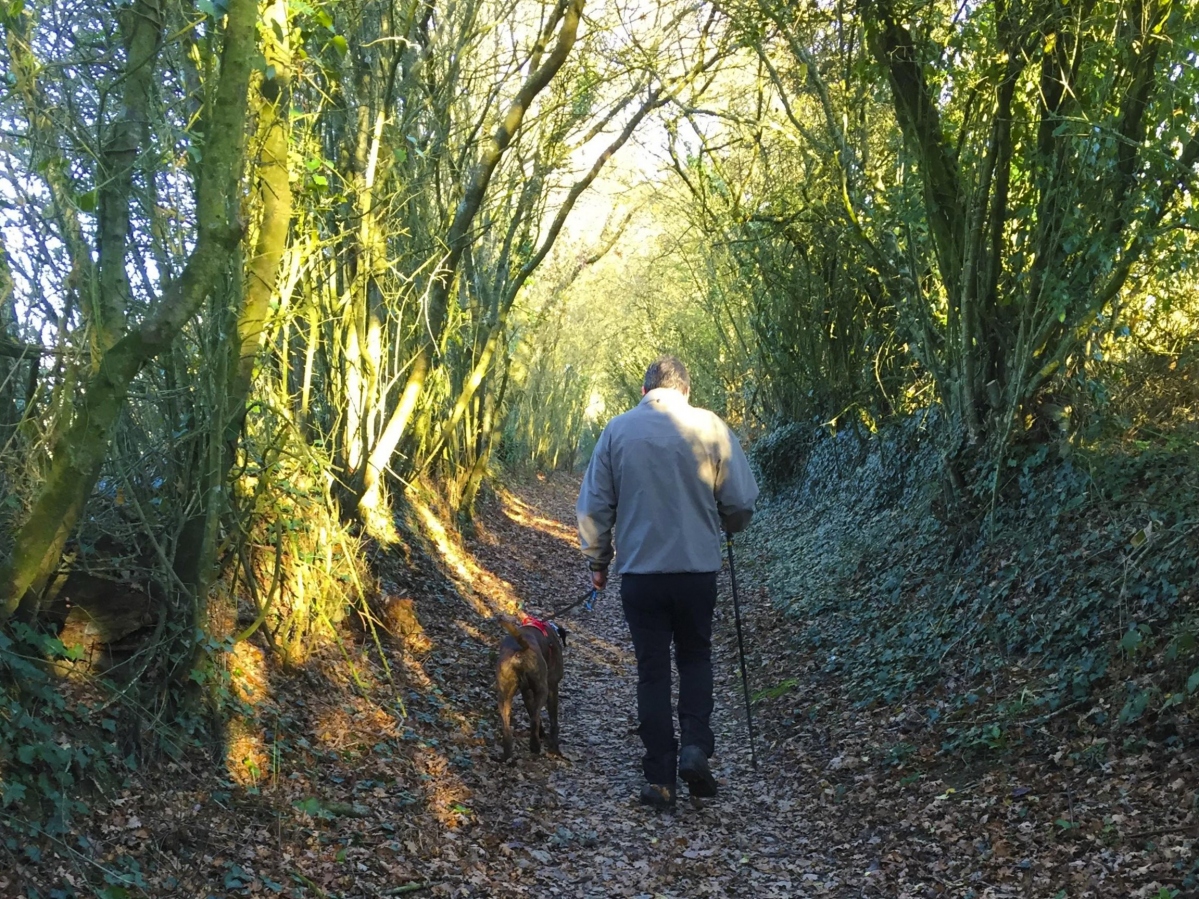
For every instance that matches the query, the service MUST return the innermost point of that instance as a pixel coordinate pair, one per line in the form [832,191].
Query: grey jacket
[668,477]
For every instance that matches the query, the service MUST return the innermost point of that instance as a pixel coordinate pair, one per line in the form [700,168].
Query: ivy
[47,747]
[1085,565]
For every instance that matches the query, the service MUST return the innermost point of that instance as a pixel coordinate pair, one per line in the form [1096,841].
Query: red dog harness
[530,621]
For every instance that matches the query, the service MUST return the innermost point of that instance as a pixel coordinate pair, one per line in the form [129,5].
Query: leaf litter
[349,787]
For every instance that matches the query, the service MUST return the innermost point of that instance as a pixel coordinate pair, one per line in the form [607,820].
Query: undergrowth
[1076,576]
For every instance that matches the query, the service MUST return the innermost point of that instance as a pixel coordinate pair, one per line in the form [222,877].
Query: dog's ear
[561,632]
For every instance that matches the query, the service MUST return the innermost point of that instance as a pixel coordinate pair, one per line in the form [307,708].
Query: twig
[414,887]
[312,886]
[1048,716]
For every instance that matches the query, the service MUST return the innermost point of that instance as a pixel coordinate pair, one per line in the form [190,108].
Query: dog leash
[587,601]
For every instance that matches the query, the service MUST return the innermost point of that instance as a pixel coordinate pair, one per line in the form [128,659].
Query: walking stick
[749,717]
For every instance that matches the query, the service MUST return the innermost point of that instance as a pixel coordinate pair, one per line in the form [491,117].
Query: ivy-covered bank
[1073,573]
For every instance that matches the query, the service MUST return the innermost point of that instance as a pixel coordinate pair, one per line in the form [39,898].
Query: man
[668,477]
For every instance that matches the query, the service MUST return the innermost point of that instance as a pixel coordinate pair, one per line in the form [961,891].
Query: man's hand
[599,579]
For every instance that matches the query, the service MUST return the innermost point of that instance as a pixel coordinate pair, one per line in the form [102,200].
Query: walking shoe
[660,796]
[693,768]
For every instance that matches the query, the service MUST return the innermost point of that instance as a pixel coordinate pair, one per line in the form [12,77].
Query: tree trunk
[457,240]
[80,451]
[492,403]
[272,194]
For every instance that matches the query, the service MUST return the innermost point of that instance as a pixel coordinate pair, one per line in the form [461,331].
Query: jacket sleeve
[736,490]
[596,507]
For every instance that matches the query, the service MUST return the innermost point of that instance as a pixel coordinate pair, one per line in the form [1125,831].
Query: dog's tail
[511,626]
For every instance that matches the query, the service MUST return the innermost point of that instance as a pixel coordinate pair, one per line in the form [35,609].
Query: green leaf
[776,691]
[1193,682]
[1134,708]
[13,793]
[1132,640]
[26,754]
[340,45]
[310,806]
[234,879]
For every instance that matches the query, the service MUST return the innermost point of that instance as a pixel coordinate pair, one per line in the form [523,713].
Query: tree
[120,352]
[1070,155]
[564,21]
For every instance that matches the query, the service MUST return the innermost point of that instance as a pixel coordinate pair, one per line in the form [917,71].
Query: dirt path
[573,827]
[846,801]
[339,782]
[349,779]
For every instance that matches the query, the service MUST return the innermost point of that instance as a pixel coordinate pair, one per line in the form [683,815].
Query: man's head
[667,371]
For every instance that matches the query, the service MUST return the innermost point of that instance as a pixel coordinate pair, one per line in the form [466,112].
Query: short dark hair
[667,371]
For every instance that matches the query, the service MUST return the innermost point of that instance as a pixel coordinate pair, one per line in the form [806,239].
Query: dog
[530,660]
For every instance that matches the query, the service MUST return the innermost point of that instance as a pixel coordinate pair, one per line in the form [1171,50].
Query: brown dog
[530,660]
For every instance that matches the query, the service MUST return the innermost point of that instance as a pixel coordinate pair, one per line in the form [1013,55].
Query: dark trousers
[661,609]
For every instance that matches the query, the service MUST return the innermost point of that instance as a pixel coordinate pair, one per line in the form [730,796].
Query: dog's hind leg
[507,691]
[551,705]
[534,702]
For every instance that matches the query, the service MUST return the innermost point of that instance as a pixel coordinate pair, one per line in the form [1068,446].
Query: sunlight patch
[246,758]
[247,672]
[524,514]
[474,583]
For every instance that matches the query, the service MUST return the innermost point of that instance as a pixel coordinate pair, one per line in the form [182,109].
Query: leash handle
[588,598]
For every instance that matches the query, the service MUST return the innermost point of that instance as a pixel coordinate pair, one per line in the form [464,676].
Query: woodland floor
[332,789]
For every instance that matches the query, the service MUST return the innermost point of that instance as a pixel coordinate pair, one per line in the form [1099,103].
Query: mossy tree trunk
[270,204]
[78,452]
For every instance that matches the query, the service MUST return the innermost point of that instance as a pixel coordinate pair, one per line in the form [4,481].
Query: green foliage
[47,747]
[583,358]
[1024,259]
[780,455]
[1052,591]
[547,421]
[776,691]
[212,8]
[822,324]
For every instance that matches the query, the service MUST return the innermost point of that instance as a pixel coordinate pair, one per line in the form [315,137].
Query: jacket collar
[667,396]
